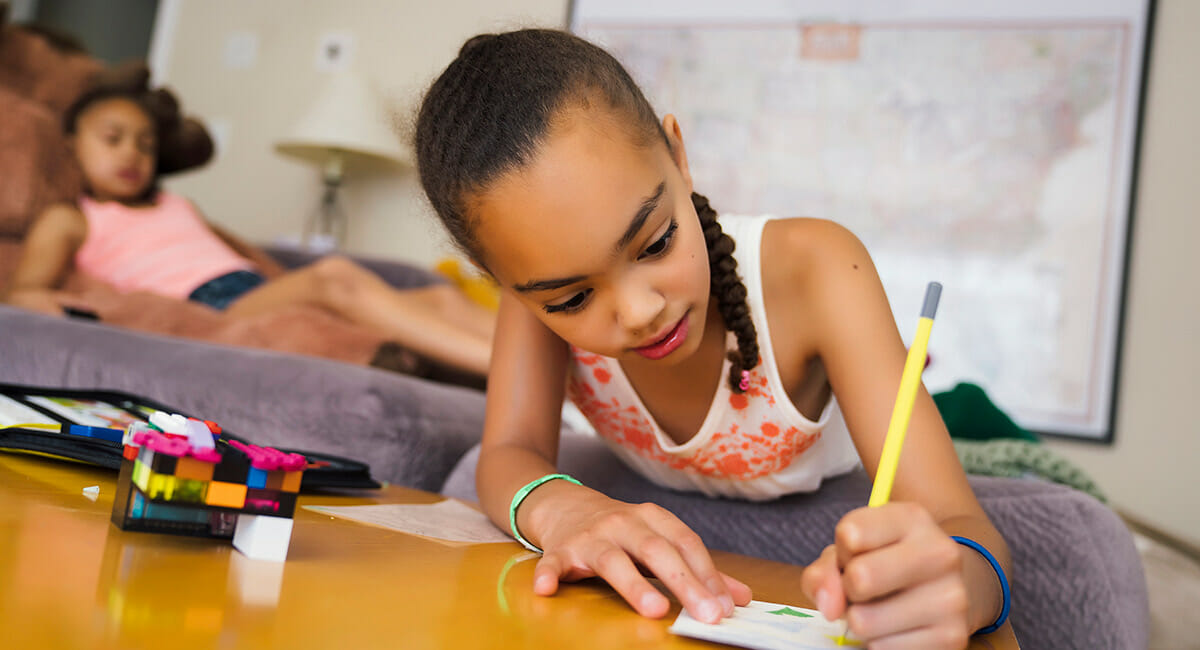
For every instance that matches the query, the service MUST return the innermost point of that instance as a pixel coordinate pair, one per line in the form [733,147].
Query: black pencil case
[324,470]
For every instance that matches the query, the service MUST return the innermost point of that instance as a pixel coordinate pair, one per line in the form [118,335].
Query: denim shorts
[220,292]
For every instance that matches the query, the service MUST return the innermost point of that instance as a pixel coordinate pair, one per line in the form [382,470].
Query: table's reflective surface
[71,579]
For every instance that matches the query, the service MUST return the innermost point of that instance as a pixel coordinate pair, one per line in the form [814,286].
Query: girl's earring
[744,384]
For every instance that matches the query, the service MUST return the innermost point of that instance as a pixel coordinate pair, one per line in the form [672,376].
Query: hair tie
[744,384]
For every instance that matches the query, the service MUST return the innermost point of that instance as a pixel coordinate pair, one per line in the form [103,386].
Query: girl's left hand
[897,578]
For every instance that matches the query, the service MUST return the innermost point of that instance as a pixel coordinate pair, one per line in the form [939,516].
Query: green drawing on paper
[788,611]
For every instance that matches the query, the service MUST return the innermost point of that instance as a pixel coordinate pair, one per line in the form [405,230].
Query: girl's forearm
[983,586]
[502,471]
[34,299]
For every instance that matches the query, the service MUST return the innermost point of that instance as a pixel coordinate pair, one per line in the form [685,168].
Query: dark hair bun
[475,42]
[183,146]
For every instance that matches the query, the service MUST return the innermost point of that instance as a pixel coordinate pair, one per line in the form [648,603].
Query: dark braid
[489,113]
[729,291]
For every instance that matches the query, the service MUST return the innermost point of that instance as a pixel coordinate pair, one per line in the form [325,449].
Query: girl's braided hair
[491,110]
[729,291]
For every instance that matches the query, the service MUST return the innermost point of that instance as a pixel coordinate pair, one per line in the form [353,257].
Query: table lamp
[346,122]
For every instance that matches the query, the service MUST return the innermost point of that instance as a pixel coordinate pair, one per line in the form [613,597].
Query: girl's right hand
[616,541]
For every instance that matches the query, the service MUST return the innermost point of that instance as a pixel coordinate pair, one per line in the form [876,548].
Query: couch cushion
[410,431]
[36,168]
[33,68]
[10,255]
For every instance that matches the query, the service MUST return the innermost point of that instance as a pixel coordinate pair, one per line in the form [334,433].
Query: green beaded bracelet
[520,496]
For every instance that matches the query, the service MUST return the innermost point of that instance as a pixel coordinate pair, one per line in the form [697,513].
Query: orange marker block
[226,495]
[275,479]
[291,481]
[190,468]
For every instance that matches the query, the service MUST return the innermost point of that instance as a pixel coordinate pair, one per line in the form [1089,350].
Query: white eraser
[262,537]
[199,435]
[176,424]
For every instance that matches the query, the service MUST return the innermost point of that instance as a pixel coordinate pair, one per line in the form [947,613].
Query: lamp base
[325,229]
[319,243]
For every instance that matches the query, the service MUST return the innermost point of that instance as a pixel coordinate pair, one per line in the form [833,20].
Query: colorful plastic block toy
[178,476]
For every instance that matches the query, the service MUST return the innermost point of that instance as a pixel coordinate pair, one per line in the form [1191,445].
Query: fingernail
[649,600]
[710,611]
[717,587]
[823,601]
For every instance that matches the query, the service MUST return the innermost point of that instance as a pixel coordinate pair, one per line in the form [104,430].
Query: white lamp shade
[347,118]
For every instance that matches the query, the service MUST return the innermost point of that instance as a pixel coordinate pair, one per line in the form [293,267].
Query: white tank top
[755,445]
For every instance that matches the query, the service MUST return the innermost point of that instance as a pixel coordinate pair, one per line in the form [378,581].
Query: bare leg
[438,322]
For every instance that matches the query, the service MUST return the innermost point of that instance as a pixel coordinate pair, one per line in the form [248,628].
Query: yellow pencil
[910,380]
[906,397]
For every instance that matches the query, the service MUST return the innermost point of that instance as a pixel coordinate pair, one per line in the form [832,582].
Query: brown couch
[37,83]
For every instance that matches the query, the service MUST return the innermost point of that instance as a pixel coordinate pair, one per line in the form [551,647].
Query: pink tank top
[165,248]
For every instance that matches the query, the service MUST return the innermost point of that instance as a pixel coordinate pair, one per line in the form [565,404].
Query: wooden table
[71,579]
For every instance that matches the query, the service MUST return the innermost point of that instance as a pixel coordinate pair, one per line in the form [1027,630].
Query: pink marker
[293,462]
[206,455]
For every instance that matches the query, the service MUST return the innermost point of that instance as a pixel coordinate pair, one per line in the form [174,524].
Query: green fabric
[970,415]
[988,442]
[1021,459]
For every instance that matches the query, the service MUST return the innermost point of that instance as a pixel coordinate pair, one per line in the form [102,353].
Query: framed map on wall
[987,145]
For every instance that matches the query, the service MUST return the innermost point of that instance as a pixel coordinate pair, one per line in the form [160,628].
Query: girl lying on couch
[127,232]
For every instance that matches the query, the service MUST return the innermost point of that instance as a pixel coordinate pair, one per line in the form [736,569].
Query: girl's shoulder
[806,250]
[816,277]
[67,216]
[61,222]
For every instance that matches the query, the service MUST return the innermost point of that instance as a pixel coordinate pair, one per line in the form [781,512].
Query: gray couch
[1079,582]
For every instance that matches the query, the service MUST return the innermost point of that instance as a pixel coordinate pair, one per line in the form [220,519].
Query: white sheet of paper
[449,521]
[13,412]
[768,626]
[88,412]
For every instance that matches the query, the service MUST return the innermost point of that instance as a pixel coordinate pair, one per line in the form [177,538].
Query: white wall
[400,46]
[1150,471]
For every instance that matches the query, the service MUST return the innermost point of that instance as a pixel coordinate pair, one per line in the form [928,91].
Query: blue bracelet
[999,574]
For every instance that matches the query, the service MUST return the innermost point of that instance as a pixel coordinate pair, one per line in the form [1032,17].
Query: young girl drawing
[748,372]
[127,232]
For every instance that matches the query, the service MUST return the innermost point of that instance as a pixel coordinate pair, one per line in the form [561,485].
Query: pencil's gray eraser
[932,293]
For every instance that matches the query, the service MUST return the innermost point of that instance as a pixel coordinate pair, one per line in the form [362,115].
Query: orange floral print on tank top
[736,452]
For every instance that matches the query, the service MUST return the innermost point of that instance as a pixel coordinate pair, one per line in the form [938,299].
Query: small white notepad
[769,626]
